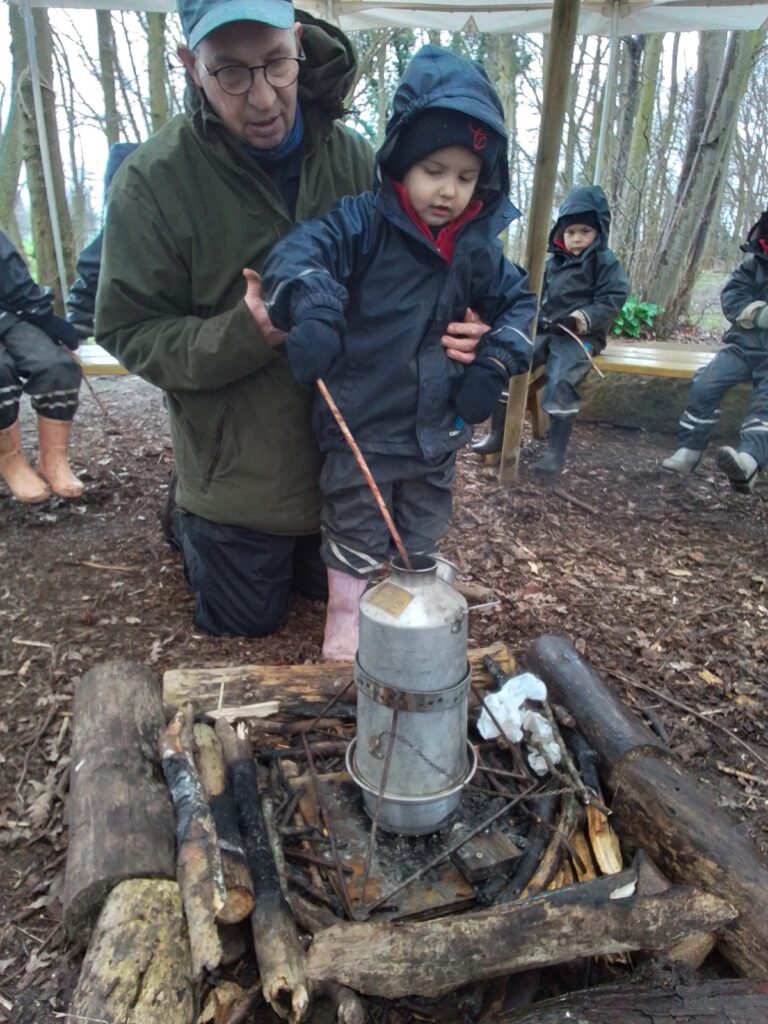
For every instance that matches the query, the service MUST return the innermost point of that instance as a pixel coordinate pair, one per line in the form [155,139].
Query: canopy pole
[610,93]
[45,154]
[557,80]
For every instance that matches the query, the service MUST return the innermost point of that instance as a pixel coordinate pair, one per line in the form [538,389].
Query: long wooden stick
[360,459]
[583,348]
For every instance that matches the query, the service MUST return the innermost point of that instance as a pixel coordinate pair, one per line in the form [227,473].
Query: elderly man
[259,147]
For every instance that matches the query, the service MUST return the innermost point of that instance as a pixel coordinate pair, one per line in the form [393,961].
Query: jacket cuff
[309,304]
[512,362]
[582,320]
[746,317]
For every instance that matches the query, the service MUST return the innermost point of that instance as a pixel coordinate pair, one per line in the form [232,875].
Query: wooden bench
[654,359]
[97,362]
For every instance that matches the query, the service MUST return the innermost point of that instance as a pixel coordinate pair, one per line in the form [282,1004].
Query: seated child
[368,290]
[34,358]
[745,357]
[584,289]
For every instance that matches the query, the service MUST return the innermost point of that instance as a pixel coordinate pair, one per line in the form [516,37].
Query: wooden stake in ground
[198,861]
[213,776]
[121,821]
[275,935]
[137,967]
[660,807]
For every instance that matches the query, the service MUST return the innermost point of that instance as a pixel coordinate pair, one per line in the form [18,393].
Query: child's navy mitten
[58,329]
[314,345]
[483,382]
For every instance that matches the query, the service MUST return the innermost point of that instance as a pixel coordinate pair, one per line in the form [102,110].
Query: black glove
[480,389]
[567,321]
[313,346]
[58,329]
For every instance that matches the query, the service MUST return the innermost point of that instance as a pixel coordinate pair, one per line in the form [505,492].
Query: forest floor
[661,583]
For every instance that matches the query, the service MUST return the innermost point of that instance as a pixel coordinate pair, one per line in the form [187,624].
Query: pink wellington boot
[342,616]
[24,483]
[52,464]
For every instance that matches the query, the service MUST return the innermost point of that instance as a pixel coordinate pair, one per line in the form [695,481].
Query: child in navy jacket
[584,289]
[743,358]
[367,291]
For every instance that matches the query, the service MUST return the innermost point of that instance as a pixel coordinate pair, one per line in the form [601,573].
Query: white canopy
[612,18]
[596,16]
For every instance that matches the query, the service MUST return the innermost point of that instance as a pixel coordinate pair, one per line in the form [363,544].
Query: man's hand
[461,339]
[255,303]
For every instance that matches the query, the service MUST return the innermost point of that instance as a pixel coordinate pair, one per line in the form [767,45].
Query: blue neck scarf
[289,145]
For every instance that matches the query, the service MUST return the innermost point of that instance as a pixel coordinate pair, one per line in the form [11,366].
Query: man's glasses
[236,79]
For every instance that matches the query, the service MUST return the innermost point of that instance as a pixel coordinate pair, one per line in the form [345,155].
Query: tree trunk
[120,817]
[158,97]
[625,233]
[42,232]
[10,144]
[659,807]
[706,160]
[107,76]
[137,968]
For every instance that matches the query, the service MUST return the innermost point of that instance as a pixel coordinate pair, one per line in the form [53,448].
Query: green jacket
[186,213]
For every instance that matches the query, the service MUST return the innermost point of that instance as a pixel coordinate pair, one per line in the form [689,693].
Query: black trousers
[241,579]
[30,362]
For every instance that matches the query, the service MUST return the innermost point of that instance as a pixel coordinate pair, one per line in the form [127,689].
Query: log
[198,863]
[661,808]
[604,720]
[211,689]
[137,969]
[655,803]
[121,821]
[430,958]
[275,936]
[705,1002]
[209,761]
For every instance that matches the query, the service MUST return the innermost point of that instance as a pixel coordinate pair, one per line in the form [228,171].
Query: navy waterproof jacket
[746,291]
[592,282]
[394,383]
[20,297]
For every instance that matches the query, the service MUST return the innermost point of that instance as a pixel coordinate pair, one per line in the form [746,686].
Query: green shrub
[636,317]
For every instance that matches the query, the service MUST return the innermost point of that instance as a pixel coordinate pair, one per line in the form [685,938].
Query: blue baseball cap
[200,17]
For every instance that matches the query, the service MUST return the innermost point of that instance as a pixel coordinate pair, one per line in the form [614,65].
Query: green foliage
[636,317]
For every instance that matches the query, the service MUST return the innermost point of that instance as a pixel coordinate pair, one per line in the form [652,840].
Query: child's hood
[758,232]
[438,78]
[585,199]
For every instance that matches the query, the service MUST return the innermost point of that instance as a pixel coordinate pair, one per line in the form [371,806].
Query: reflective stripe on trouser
[732,365]
[566,367]
[44,370]
[417,493]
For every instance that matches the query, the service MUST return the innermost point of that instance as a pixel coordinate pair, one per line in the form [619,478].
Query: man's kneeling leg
[241,579]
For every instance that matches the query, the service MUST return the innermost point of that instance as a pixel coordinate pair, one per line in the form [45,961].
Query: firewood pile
[221,867]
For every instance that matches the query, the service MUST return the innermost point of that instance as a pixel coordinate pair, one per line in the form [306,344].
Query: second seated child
[367,291]
[584,289]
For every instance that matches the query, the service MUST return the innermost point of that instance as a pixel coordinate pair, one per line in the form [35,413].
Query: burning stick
[583,348]
[199,868]
[275,935]
[365,471]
